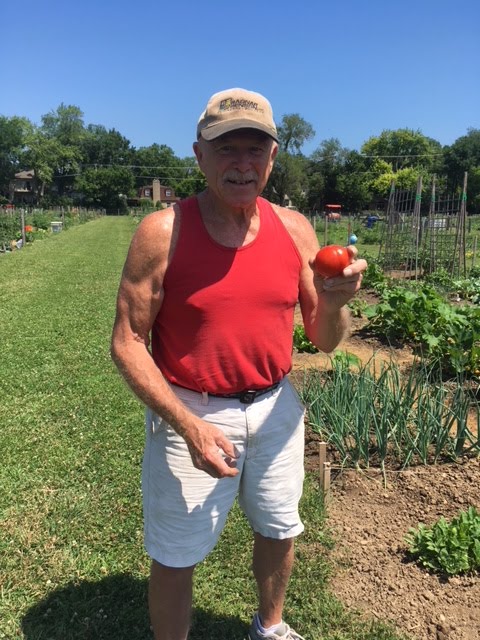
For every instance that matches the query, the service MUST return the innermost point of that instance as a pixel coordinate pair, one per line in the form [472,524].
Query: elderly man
[203,336]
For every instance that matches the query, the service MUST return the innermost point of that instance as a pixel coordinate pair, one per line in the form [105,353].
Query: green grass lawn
[72,564]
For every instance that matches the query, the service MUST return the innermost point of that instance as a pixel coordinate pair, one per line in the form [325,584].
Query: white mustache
[236,176]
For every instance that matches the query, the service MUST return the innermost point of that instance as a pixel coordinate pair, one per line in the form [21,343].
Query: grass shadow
[114,608]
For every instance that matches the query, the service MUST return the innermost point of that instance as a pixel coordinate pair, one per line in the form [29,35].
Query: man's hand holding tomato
[337,274]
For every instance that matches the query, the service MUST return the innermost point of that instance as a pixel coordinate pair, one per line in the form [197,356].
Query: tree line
[90,165]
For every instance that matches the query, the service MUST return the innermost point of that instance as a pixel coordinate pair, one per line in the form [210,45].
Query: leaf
[448,547]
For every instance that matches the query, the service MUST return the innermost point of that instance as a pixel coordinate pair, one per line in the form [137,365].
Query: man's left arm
[323,301]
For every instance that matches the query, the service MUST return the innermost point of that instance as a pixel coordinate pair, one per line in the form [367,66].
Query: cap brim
[220,128]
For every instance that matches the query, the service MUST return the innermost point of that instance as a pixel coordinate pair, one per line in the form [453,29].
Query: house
[22,188]
[157,193]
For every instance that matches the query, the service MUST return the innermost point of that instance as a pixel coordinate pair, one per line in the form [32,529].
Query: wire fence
[415,244]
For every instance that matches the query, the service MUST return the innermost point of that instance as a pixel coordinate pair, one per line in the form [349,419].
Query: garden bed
[372,572]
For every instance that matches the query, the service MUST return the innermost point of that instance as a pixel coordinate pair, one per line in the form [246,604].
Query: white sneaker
[283,633]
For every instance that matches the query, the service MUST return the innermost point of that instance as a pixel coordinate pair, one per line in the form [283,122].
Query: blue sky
[147,68]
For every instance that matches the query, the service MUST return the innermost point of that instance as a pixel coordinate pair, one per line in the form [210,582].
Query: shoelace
[290,634]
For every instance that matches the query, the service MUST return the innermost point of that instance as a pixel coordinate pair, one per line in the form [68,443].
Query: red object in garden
[28,228]
[333,212]
[331,260]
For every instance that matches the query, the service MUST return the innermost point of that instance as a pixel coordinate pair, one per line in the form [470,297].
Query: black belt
[247,396]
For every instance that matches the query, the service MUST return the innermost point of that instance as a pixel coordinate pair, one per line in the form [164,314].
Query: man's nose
[243,160]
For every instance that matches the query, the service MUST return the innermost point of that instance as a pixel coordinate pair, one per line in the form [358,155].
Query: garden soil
[372,572]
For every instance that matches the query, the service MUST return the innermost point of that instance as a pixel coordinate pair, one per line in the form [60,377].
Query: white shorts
[185,509]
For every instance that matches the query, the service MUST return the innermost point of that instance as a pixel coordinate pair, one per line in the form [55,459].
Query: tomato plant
[331,260]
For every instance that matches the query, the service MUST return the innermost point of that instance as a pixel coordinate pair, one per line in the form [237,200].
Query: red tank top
[226,321]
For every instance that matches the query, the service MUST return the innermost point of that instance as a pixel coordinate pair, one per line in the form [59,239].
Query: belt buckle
[247,397]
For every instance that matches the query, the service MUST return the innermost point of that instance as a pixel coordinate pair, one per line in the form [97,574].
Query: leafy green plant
[468,289]
[440,278]
[9,227]
[300,341]
[41,220]
[448,547]
[357,307]
[345,359]
[373,278]
[448,336]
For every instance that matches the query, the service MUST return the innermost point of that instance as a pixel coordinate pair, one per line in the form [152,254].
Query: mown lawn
[72,564]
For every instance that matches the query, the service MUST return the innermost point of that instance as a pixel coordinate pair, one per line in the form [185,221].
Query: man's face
[237,165]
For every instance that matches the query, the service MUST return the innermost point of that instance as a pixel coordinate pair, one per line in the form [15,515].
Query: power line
[187,169]
[325,157]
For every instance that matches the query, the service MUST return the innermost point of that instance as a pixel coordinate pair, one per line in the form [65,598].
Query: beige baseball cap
[236,109]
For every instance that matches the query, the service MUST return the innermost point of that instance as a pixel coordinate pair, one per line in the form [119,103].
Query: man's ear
[197,151]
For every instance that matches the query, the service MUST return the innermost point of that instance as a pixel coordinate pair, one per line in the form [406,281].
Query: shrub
[448,547]
[9,227]
[447,335]
[40,220]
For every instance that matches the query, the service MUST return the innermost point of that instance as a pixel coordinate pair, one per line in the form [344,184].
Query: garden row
[18,227]
[373,414]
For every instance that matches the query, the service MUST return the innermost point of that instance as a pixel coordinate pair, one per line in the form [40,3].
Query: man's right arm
[139,300]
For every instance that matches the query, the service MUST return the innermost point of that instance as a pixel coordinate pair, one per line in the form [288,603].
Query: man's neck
[230,226]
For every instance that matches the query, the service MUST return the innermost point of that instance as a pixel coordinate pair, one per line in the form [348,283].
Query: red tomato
[331,260]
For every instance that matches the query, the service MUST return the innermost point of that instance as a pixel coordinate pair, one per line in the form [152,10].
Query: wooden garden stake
[322,455]
[324,469]
[326,480]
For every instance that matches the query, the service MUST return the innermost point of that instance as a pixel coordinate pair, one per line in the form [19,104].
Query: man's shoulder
[157,233]
[291,218]
[161,221]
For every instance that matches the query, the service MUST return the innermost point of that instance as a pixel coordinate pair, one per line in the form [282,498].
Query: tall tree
[12,141]
[44,155]
[106,187]
[328,161]
[288,180]
[105,147]
[463,155]
[293,132]
[65,126]
[157,161]
[404,148]
[352,186]
[193,180]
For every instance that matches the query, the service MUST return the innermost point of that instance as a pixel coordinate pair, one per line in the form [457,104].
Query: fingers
[352,251]
[228,454]
[350,278]
[228,448]
[220,466]
[218,458]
